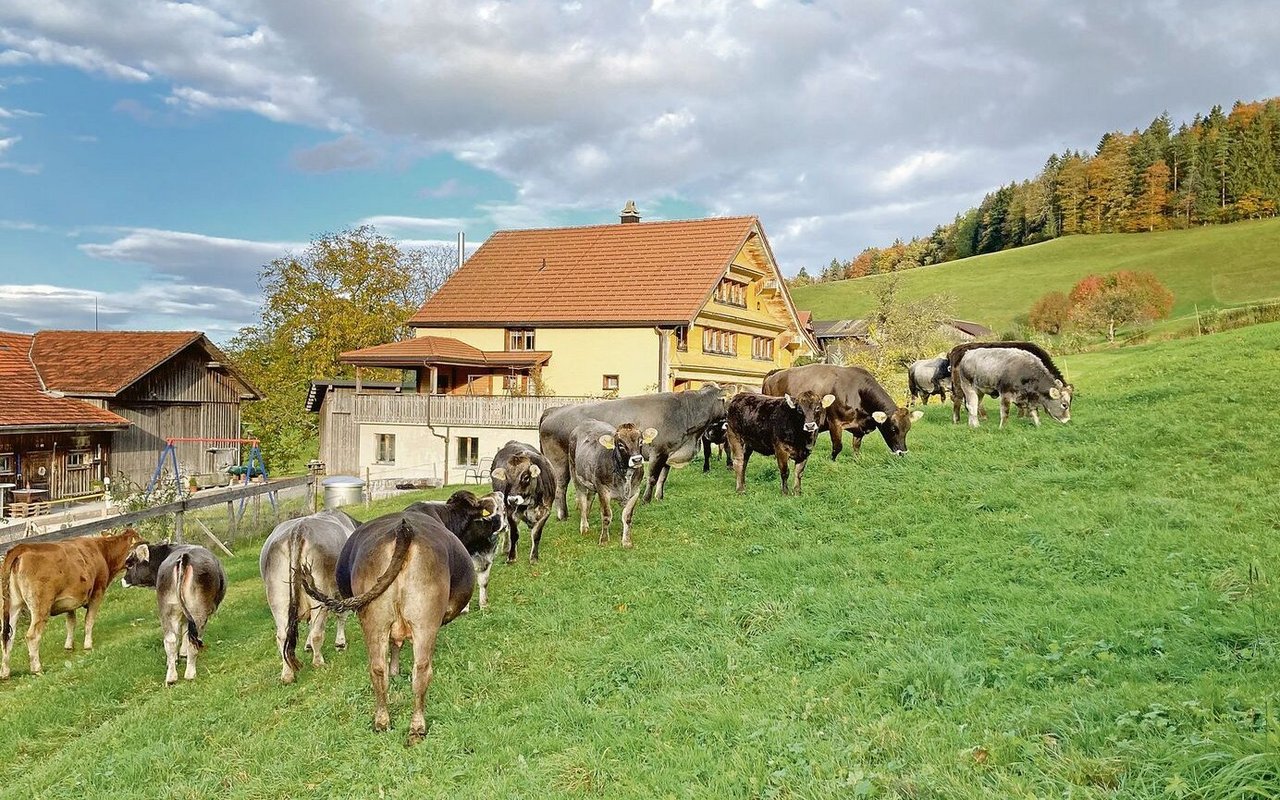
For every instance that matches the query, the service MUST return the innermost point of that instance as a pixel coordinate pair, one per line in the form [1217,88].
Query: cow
[525,479]
[478,522]
[680,418]
[785,427]
[190,584]
[315,540]
[405,575]
[927,377]
[1016,375]
[861,405]
[714,434]
[608,461]
[1024,409]
[50,578]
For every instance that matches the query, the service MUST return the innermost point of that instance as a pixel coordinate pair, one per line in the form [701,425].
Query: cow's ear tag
[142,552]
[499,474]
[791,403]
[649,435]
[879,417]
[827,400]
[535,470]
[1055,392]
[484,512]
[606,441]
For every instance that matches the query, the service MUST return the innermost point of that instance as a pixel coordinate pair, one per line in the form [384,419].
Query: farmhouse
[80,406]
[556,315]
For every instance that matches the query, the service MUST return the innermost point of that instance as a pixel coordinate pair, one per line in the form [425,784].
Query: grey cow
[927,377]
[314,541]
[190,584]
[526,480]
[1016,376]
[679,417]
[608,461]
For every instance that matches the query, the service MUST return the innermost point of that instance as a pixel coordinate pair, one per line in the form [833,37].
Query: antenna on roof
[462,248]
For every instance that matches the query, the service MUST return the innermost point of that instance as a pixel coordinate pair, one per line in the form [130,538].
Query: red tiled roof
[440,350]
[103,362]
[24,405]
[633,273]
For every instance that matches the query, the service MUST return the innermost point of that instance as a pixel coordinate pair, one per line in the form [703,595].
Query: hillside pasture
[1086,610]
[1210,267]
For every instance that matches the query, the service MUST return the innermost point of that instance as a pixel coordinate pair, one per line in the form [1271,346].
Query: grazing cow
[405,575]
[478,522]
[714,434]
[785,427]
[1017,375]
[315,540]
[608,462]
[680,418]
[1024,409]
[527,482]
[861,405]
[190,584]
[49,578]
[927,377]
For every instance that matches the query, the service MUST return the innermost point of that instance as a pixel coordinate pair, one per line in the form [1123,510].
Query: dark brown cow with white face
[526,480]
[785,427]
[49,578]
[861,404]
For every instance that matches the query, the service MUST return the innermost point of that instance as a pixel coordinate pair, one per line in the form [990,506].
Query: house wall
[423,452]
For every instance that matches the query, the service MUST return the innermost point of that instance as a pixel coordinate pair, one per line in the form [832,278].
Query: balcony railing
[463,411]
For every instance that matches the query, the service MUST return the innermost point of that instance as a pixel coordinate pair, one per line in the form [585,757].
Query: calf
[528,483]
[927,377]
[48,578]
[785,427]
[478,522]
[315,540]
[714,434]
[1014,374]
[608,462]
[405,575]
[190,584]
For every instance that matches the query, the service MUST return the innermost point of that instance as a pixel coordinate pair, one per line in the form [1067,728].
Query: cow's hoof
[4,675]
[627,545]
[381,725]
[306,648]
[287,677]
[171,681]
[339,646]
[70,647]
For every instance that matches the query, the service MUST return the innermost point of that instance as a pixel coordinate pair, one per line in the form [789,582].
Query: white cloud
[213,260]
[914,166]
[389,224]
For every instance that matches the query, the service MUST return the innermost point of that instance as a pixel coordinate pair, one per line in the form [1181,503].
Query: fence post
[231,519]
[177,528]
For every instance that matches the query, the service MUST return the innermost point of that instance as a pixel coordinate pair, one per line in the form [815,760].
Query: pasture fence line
[180,508]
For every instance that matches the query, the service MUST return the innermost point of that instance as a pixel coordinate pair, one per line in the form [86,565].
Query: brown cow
[49,578]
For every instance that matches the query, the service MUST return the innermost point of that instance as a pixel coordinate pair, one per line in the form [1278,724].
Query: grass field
[1084,611]
[1213,266]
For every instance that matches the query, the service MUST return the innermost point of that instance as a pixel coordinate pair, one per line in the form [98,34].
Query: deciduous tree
[1105,303]
[1050,313]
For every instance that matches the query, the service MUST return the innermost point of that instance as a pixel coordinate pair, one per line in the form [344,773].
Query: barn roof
[26,404]
[641,273]
[105,363]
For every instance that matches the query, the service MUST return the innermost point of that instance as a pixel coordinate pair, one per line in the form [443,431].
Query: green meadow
[1087,611]
[1214,266]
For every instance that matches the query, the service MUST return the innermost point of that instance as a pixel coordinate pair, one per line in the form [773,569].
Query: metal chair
[480,472]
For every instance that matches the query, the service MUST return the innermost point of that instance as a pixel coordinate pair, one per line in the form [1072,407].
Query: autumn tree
[347,290]
[1150,208]
[1051,313]
[1105,303]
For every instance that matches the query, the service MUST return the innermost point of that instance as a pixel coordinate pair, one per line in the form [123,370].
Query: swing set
[253,464]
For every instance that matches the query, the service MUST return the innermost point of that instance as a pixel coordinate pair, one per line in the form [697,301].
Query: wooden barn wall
[62,479]
[136,450]
[339,433]
[184,378]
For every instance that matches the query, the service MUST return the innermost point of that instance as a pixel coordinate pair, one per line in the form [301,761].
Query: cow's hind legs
[35,632]
[70,644]
[837,438]
[315,636]
[340,640]
[657,478]
[393,659]
[90,617]
[377,642]
[171,628]
[424,645]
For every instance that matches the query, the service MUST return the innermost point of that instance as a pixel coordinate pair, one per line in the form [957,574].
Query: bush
[1050,313]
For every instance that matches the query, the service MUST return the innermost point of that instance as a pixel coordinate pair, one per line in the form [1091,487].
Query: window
[514,384]
[78,459]
[610,383]
[762,348]
[732,293]
[386,448]
[519,338]
[682,338]
[468,451]
[8,464]
[724,343]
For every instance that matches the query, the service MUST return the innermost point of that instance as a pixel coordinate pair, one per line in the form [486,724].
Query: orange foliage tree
[1104,303]
[1050,313]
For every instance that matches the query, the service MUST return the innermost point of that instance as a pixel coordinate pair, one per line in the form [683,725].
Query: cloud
[26,169]
[391,225]
[22,225]
[347,152]
[447,188]
[209,260]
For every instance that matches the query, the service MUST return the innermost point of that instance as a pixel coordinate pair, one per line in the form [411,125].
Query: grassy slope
[1051,612]
[1218,265]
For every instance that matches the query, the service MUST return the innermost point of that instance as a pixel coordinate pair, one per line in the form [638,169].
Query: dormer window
[519,338]
[731,293]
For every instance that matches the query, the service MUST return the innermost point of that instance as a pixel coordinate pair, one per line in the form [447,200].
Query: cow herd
[407,574]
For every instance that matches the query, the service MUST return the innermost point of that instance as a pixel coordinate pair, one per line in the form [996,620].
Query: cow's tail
[289,650]
[183,575]
[6,572]
[404,536]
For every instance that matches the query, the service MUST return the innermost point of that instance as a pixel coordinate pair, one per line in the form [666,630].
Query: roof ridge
[729,217]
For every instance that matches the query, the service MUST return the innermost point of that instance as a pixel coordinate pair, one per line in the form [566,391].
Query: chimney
[629,213]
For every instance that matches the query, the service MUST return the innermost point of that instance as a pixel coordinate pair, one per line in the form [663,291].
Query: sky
[154,156]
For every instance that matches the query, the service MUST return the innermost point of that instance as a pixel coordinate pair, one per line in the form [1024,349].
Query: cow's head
[1057,401]
[715,432]
[627,442]
[143,562]
[517,481]
[893,427]
[811,408]
[483,517]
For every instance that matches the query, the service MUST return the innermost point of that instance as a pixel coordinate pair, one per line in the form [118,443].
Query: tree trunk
[1111,330]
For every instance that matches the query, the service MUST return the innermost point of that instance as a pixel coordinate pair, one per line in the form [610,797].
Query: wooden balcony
[459,410]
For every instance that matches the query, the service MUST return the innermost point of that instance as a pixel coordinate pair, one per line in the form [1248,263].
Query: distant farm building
[551,316]
[858,331]
[80,406]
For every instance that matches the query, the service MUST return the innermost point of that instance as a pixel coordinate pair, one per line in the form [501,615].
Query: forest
[1219,168]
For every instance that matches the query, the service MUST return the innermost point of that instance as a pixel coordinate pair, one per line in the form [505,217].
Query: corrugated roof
[628,273]
[23,404]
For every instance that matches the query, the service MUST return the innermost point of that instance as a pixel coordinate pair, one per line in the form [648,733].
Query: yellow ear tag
[486,512]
